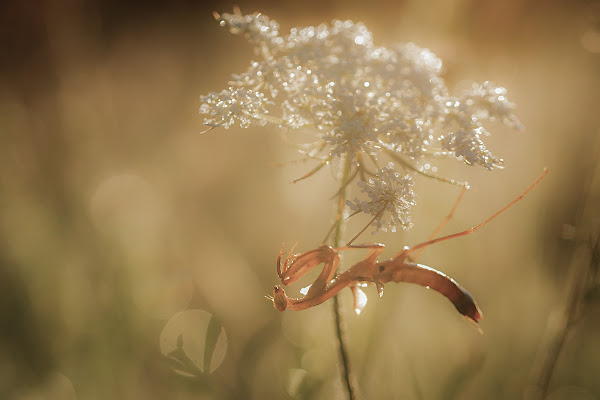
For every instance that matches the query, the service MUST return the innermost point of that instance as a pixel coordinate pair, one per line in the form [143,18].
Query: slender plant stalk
[345,367]
[582,266]
[548,359]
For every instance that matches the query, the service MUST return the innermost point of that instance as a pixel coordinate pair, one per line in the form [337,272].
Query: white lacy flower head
[391,192]
[364,103]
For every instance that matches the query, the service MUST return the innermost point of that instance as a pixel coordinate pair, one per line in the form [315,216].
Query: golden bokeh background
[135,252]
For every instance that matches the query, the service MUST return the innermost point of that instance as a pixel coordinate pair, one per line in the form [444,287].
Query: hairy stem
[345,368]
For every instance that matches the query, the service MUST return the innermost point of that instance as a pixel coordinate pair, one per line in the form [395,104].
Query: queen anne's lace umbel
[390,198]
[365,103]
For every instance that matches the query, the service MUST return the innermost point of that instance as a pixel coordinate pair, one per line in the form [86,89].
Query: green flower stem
[345,369]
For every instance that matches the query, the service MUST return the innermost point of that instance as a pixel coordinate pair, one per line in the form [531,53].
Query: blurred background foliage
[135,252]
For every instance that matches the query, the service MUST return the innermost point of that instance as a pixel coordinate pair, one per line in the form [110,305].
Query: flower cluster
[391,192]
[364,103]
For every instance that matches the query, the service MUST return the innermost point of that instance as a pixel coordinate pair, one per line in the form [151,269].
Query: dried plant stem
[345,368]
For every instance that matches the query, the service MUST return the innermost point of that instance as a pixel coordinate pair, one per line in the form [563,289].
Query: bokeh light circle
[194,336]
